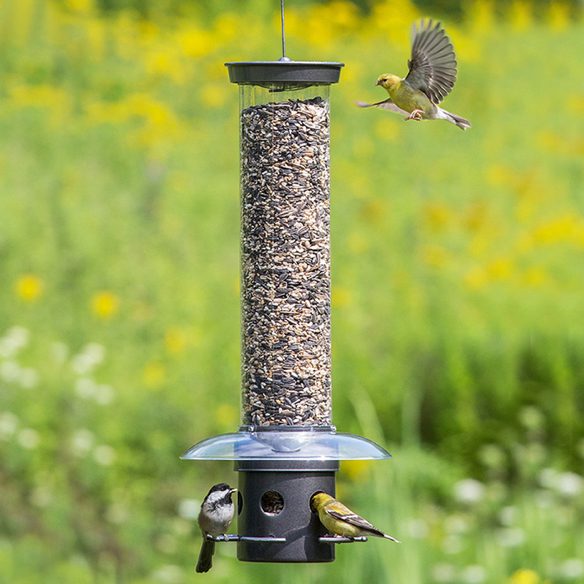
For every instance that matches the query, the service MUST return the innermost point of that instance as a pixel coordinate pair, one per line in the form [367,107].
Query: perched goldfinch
[431,77]
[340,520]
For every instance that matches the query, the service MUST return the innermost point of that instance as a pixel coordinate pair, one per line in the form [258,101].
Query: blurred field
[457,292]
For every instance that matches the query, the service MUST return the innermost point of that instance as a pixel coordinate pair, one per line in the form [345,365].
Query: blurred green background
[457,288]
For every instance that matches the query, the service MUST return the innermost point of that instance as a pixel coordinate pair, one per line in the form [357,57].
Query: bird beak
[231,491]
[378,82]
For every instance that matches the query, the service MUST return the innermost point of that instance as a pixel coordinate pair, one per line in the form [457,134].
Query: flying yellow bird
[431,77]
[340,520]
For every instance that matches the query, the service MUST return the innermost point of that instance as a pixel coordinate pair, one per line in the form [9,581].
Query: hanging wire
[284,57]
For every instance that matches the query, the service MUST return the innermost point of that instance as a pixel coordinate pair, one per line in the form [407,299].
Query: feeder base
[275,502]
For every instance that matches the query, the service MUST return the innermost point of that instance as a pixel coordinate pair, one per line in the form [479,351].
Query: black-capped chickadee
[340,520]
[215,517]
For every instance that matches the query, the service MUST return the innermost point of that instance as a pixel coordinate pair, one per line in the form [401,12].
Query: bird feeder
[286,448]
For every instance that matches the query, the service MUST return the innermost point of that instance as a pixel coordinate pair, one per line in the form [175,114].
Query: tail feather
[459,121]
[378,533]
[386,536]
[205,561]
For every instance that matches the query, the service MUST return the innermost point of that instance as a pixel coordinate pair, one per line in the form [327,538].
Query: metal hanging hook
[283,57]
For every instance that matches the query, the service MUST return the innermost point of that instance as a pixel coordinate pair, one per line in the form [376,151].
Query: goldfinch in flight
[431,77]
[340,520]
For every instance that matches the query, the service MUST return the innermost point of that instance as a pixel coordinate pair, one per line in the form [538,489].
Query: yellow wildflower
[227,27]
[500,269]
[535,276]
[356,470]
[476,216]
[482,16]
[559,229]
[576,104]
[435,256]
[500,175]
[394,18]
[154,374]
[214,94]
[104,304]
[195,42]
[358,243]
[29,287]
[476,278]
[364,147]
[525,577]
[558,15]
[80,6]
[175,341]
[226,416]
[386,128]
[163,63]
[520,14]
[340,297]
[437,216]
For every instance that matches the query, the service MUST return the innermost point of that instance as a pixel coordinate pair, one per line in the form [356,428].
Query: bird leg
[415,115]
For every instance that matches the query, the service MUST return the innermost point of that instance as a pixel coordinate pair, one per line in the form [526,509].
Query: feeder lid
[284,71]
[286,443]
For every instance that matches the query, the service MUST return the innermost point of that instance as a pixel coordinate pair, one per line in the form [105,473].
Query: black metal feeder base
[275,510]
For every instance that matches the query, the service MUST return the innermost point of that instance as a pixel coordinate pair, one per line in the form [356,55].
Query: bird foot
[415,115]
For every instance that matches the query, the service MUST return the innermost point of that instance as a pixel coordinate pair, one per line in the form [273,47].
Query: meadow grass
[457,296]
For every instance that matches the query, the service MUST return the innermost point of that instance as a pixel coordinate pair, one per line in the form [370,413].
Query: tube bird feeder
[286,448]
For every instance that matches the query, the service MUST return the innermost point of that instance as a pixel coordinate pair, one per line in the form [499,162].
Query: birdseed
[285,222]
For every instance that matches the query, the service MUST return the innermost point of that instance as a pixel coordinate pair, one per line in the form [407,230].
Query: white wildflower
[571,569]
[452,545]
[117,513]
[41,497]
[508,515]
[13,341]
[473,574]
[85,387]
[29,378]
[169,574]
[456,524]
[88,358]
[59,352]
[544,499]
[417,528]
[189,508]
[8,424]
[28,438]
[10,371]
[569,484]
[104,455]
[444,573]
[469,491]
[104,394]
[511,537]
[82,442]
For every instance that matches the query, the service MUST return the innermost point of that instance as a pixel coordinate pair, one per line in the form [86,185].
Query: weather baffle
[286,448]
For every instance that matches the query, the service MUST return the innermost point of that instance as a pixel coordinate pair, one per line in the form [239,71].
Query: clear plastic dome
[286,444]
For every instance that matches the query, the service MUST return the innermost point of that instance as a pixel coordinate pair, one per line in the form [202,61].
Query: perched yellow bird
[340,520]
[431,77]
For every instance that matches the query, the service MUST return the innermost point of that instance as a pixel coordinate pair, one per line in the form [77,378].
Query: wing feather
[386,104]
[356,520]
[432,65]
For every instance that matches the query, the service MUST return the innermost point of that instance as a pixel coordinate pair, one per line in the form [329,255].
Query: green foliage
[456,293]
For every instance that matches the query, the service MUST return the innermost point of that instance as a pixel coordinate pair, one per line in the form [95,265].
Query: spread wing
[386,104]
[432,66]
